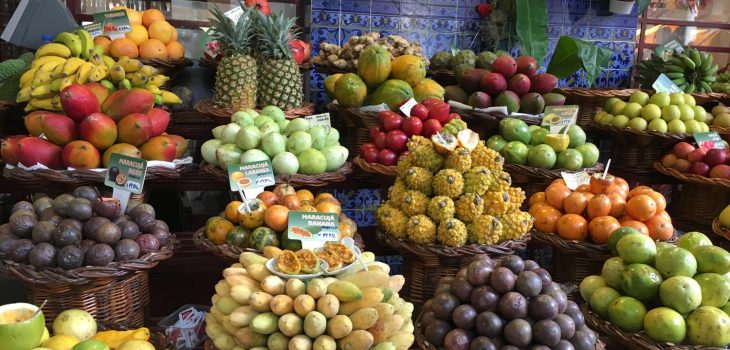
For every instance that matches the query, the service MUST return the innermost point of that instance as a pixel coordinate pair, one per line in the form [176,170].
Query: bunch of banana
[648,71]
[67,44]
[692,70]
[722,84]
[129,73]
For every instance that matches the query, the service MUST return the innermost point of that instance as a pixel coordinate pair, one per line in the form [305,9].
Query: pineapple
[236,77]
[280,83]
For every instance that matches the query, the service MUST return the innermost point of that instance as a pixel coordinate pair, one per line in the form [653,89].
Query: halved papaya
[308,261]
[288,263]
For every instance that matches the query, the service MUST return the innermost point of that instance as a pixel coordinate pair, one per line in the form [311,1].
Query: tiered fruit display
[692,70]
[535,146]
[451,190]
[676,113]
[80,229]
[720,116]
[263,224]
[94,122]
[722,84]
[22,329]
[686,158]
[151,37]
[448,60]
[353,310]
[292,145]
[337,257]
[511,304]
[673,293]
[73,58]
[597,209]
[388,142]
[348,56]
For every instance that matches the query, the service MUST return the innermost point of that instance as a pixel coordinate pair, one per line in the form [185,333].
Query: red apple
[697,155]
[419,111]
[682,165]
[387,157]
[365,146]
[715,156]
[382,115]
[452,116]
[431,127]
[396,140]
[439,111]
[374,131]
[682,149]
[412,126]
[430,101]
[669,160]
[379,140]
[699,168]
[721,171]
[392,122]
[370,154]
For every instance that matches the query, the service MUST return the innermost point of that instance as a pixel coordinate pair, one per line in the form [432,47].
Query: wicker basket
[354,117]
[209,107]
[330,70]
[375,168]
[167,66]
[444,77]
[699,204]
[724,132]
[157,339]
[296,180]
[117,293]
[423,266]
[533,180]
[720,230]
[694,178]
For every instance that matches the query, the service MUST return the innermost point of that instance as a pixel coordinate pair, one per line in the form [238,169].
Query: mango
[98,129]
[34,150]
[159,118]
[134,129]
[80,155]
[121,148]
[78,101]
[59,129]
[159,148]
[125,102]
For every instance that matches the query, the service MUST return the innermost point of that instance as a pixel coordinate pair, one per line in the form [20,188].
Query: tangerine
[162,31]
[599,205]
[138,34]
[546,218]
[175,50]
[537,206]
[583,188]
[639,190]
[601,227]
[133,15]
[559,181]
[556,193]
[276,217]
[322,196]
[641,207]
[618,204]
[660,228]
[231,211]
[328,207]
[104,42]
[537,197]
[123,47]
[576,202]
[153,48]
[622,184]
[661,202]
[572,227]
[152,15]
[637,225]
[305,195]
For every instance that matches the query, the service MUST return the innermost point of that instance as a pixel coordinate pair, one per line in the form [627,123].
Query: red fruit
[699,168]
[379,140]
[299,51]
[370,154]
[99,90]
[431,127]
[721,171]
[261,5]
[59,129]
[134,129]
[181,145]
[125,102]
[80,155]
[430,101]
[387,157]
[392,122]
[99,130]
[452,116]
[526,65]
[159,118]
[519,84]
[412,126]
[374,131]
[715,157]
[403,154]
[34,122]
[365,146]
[668,160]
[78,101]
[504,65]
[396,140]
[543,83]
[159,148]
[493,84]
[682,165]
[35,150]
[439,111]
[697,155]
[382,115]
[9,149]
[682,149]
[420,111]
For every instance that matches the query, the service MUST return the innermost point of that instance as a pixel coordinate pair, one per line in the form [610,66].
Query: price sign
[407,106]
[251,177]
[665,50]
[234,14]
[126,173]
[94,29]
[573,180]
[313,228]
[664,84]
[319,120]
[709,140]
[559,117]
[113,23]
[375,108]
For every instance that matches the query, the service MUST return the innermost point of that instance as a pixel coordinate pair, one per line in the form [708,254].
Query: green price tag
[313,228]
[709,140]
[94,29]
[126,173]
[113,22]
[558,117]
[251,176]
[665,50]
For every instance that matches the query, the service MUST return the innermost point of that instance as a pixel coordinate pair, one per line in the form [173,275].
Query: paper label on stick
[573,180]
[665,50]
[375,108]
[319,120]
[557,118]
[113,22]
[313,228]
[664,84]
[126,173]
[498,109]
[234,14]
[407,106]
[709,140]
[251,177]
[94,29]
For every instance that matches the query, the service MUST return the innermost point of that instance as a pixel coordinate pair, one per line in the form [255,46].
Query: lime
[676,98]
[636,248]
[665,325]
[627,313]
[620,121]
[570,159]
[708,326]
[590,154]
[541,156]
[515,152]
[712,259]
[692,240]
[660,99]
[601,299]
[641,281]
[715,289]
[687,112]
[658,125]
[632,110]
[639,97]
[618,234]
[651,112]
[676,126]
[671,112]
[91,344]
[675,261]
[681,293]
[590,284]
[611,272]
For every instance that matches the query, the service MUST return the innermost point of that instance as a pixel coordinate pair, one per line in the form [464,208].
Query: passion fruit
[514,263]
[66,234]
[42,203]
[21,223]
[444,304]
[72,222]
[49,214]
[126,249]
[130,230]
[144,219]
[164,236]
[99,255]
[162,224]
[108,233]
[91,226]
[25,205]
[484,298]
[528,284]
[80,209]
[512,305]
[142,208]
[70,257]
[87,192]
[6,243]
[543,307]
[436,331]
[567,325]
[43,255]
[60,204]
[42,232]
[121,218]
[461,288]
[19,250]
[502,280]
[147,243]
[489,324]
[85,245]
[109,208]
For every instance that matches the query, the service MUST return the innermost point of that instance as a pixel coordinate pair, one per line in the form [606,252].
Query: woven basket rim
[698,179]
[389,170]
[83,275]
[546,173]
[720,130]
[296,180]
[570,246]
[208,107]
[167,62]
[428,251]
[81,177]
[330,70]
[719,230]
[614,132]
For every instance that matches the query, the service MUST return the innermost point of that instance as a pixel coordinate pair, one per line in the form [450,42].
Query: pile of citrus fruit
[596,209]
[151,37]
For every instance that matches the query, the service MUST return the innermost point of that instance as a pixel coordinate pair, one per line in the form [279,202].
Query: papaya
[408,68]
[350,90]
[308,261]
[428,88]
[374,65]
[329,84]
[392,92]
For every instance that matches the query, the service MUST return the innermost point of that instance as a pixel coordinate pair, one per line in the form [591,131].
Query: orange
[599,205]
[162,31]
[618,204]
[152,48]
[638,225]
[276,217]
[639,190]
[123,47]
[322,196]
[620,182]
[175,50]
[576,202]
[583,188]
[641,207]
[537,197]
[572,227]
[134,16]
[536,207]
[305,195]
[151,15]
[231,211]
[660,227]
[546,218]
[138,34]
[556,193]
[661,203]
[103,42]
[328,207]
[601,227]
[558,181]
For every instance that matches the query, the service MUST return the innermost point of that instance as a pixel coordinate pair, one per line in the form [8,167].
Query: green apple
[660,99]
[620,121]
[700,113]
[705,127]
[693,126]
[690,100]
[676,126]
[597,117]
[676,98]
[608,106]
[671,112]
[632,110]
[618,107]
[658,125]
[651,112]
[606,119]
[686,111]
[639,97]
[637,124]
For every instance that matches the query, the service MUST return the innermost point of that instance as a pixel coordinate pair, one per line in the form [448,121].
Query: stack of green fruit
[722,84]
[676,113]
[535,146]
[292,146]
[687,285]
[692,70]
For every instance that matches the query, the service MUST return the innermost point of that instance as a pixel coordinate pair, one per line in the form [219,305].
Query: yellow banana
[122,60]
[40,78]
[96,59]
[27,77]
[125,84]
[157,99]
[148,70]
[99,73]
[72,66]
[56,103]
[84,72]
[158,80]
[108,85]
[108,61]
[23,94]
[71,40]
[86,42]
[68,81]
[169,98]
[49,67]
[45,59]
[29,108]
[42,103]
[41,92]
[56,84]
[153,89]
[53,49]
[131,65]
[137,79]
[58,71]
[116,73]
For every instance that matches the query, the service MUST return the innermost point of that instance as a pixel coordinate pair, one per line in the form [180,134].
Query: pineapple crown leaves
[274,33]
[235,38]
